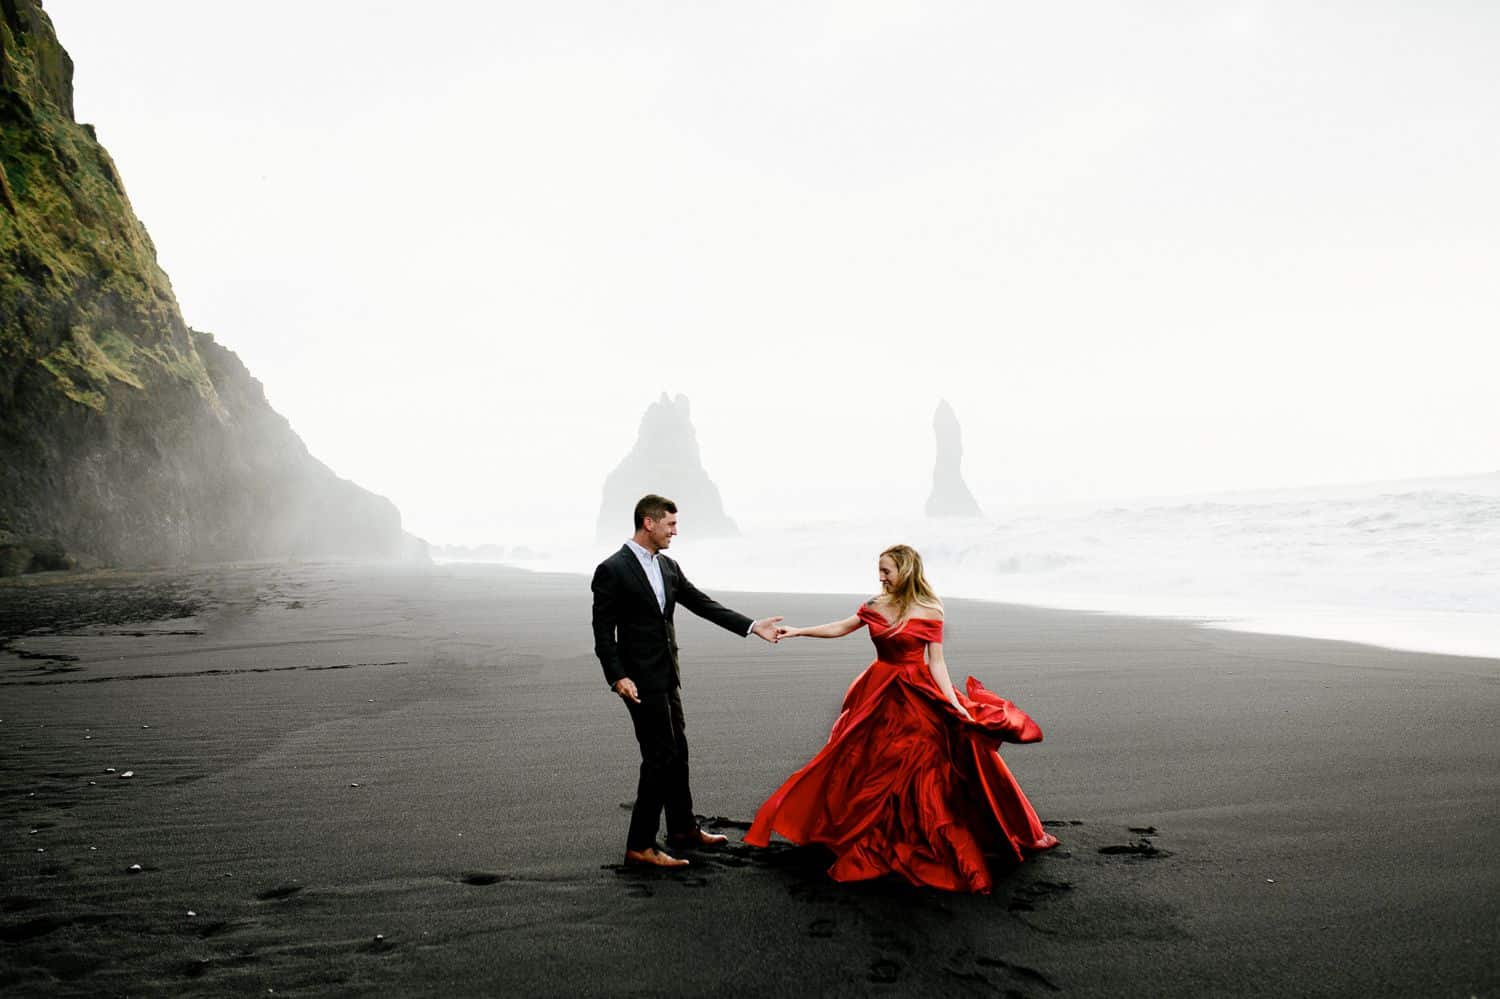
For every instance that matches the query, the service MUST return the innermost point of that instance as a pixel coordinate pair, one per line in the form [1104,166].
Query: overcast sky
[1141,248]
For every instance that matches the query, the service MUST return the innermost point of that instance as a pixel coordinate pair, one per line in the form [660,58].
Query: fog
[1166,249]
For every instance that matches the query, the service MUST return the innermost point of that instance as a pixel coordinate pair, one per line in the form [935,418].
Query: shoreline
[1474,635]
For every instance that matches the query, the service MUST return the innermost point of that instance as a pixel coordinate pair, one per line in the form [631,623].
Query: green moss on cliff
[123,434]
[81,294]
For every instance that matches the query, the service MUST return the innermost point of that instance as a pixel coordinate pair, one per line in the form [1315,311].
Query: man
[635,592]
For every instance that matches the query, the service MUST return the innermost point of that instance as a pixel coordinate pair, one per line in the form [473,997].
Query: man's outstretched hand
[766,628]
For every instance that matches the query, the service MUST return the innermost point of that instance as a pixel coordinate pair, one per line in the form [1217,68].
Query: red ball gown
[905,784]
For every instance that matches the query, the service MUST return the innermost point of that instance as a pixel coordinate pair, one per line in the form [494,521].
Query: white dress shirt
[653,572]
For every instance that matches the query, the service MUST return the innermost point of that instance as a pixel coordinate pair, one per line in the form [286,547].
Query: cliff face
[126,436]
[665,461]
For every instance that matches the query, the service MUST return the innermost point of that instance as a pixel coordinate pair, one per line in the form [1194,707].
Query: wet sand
[414,782]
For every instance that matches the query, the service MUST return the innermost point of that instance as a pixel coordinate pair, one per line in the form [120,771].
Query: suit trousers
[660,731]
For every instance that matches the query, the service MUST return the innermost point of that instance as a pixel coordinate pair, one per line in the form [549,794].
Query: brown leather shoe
[652,857]
[697,838]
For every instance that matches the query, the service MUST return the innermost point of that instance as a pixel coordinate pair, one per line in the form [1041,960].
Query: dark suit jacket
[633,636]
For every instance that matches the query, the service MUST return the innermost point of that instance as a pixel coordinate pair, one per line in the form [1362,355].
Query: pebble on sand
[136,868]
[109,770]
[128,773]
[353,784]
[191,912]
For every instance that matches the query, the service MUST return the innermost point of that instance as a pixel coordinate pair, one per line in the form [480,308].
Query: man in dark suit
[635,592]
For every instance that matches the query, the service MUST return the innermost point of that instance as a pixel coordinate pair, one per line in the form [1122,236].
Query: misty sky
[1141,248]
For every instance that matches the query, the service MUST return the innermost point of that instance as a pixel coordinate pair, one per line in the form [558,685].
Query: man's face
[661,531]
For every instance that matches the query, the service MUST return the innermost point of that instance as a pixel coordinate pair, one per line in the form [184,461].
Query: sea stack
[127,438]
[950,494]
[665,461]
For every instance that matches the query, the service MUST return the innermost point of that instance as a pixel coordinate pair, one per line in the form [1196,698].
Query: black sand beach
[350,779]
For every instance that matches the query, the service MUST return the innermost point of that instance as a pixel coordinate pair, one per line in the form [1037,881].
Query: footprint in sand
[884,971]
[1019,971]
[729,860]
[887,941]
[278,893]
[41,926]
[821,929]
[195,968]
[1140,848]
[480,878]
[808,891]
[219,927]
[1029,896]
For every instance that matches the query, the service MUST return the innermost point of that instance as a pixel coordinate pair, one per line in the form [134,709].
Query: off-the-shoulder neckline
[887,620]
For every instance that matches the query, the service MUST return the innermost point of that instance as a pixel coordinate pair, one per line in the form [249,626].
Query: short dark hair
[653,506]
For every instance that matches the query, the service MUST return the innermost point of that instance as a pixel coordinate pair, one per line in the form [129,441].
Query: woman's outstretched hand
[785,632]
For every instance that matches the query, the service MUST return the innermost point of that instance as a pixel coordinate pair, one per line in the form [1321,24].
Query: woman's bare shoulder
[934,611]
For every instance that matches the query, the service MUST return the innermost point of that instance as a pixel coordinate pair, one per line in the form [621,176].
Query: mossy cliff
[127,437]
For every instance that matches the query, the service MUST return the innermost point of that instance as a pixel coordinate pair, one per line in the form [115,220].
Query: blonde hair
[911,587]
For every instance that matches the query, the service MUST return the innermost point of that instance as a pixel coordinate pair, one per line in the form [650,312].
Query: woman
[909,781]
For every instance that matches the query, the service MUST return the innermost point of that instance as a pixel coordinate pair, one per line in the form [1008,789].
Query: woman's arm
[833,629]
[939,669]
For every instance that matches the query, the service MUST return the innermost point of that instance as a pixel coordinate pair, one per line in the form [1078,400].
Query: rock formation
[125,436]
[664,461]
[950,494]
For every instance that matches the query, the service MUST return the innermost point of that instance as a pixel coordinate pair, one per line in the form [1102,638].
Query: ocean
[1407,565]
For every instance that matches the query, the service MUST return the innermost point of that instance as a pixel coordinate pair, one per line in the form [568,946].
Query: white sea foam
[1407,565]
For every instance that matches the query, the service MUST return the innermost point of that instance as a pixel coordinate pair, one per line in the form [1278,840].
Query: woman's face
[888,575]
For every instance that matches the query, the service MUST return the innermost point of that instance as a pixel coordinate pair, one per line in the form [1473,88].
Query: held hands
[767,628]
[785,632]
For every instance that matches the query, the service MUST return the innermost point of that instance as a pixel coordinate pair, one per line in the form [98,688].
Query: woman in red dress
[909,782]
